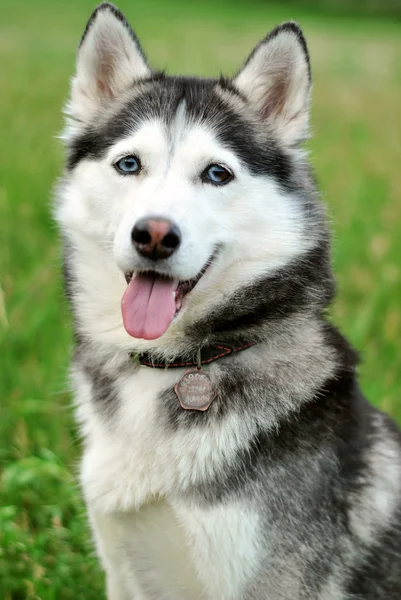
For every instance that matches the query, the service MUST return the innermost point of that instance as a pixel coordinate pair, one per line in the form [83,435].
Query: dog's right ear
[109,61]
[276,80]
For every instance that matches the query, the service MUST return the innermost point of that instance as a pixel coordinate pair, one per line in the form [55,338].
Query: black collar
[204,356]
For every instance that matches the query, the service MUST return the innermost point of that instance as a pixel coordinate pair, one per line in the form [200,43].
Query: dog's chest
[182,551]
[136,471]
[128,452]
[137,454]
[158,551]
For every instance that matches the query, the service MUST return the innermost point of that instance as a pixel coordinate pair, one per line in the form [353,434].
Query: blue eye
[128,165]
[217,175]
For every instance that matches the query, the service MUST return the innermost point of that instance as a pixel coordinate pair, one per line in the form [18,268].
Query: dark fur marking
[203,105]
[318,433]
[104,389]
[379,575]
[67,280]
[305,472]
[226,84]
[336,417]
[305,283]
[67,270]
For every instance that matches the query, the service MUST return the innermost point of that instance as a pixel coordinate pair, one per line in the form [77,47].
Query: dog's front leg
[113,587]
[120,582]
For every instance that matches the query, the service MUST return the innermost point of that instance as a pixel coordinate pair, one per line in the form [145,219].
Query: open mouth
[152,300]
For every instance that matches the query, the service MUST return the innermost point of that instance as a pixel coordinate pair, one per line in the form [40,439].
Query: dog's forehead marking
[179,104]
[183,141]
[177,129]
[180,123]
[149,138]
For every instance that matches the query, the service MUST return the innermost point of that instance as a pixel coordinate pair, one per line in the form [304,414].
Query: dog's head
[187,202]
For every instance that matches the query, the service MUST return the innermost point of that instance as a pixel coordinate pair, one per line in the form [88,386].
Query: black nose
[156,238]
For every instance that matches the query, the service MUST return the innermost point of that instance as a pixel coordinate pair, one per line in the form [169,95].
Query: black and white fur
[289,486]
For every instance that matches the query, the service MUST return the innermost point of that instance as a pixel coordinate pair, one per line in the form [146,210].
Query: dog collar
[195,389]
[203,356]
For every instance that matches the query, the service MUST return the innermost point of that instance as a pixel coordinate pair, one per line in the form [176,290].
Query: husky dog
[228,451]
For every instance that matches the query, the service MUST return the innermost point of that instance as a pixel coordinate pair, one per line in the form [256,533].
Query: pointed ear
[276,80]
[109,61]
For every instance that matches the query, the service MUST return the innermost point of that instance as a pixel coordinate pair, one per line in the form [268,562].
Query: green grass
[45,547]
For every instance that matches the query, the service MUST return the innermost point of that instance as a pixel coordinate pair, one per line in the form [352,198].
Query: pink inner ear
[104,77]
[275,101]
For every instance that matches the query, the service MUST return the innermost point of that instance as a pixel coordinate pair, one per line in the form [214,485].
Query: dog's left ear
[276,80]
[109,62]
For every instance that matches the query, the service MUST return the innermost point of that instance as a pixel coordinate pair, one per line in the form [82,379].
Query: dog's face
[180,191]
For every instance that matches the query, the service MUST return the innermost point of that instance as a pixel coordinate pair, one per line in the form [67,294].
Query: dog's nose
[156,238]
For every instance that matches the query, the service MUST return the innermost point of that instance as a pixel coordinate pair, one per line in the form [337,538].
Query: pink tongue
[148,306]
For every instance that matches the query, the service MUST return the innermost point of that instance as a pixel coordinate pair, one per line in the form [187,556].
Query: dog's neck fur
[303,339]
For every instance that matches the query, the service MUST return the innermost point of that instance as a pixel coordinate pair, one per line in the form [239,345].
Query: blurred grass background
[45,548]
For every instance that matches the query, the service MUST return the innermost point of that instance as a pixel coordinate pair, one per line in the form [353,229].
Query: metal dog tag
[195,390]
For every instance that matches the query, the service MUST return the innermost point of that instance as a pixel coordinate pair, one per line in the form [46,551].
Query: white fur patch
[163,551]
[156,543]
[225,539]
[373,507]
[148,554]
[258,227]
[140,459]
[332,590]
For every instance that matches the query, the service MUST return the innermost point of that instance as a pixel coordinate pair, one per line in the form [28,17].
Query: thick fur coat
[289,486]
